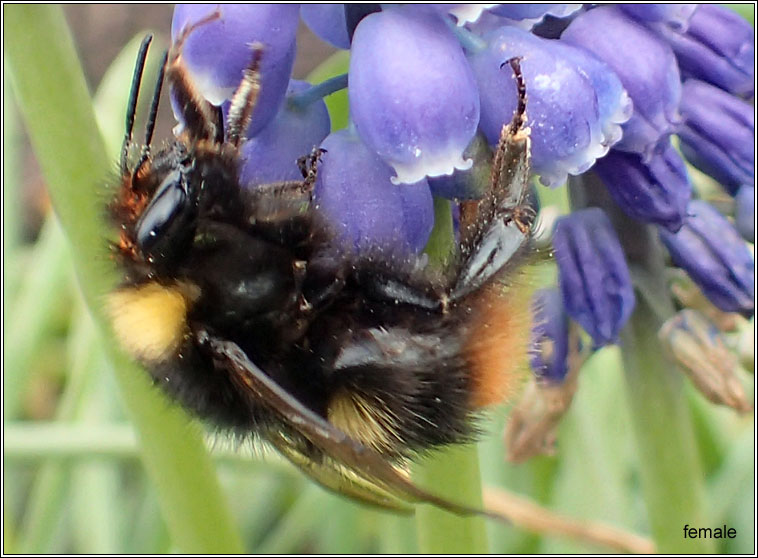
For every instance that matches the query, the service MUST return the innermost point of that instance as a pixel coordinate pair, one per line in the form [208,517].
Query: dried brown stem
[528,515]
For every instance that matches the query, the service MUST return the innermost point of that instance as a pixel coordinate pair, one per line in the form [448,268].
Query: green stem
[57,441]
[49,491]
[441,244]
[672,476]
[43,287]
[12,172]
[454,472]
[57,108]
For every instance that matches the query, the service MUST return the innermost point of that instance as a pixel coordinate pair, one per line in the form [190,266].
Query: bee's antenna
[133,97]
[150,126]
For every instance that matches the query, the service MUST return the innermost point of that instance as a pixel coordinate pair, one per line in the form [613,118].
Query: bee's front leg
[308,165]
[201,120]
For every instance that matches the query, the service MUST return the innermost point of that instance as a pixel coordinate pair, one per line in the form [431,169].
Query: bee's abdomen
[400,391]
[496,345]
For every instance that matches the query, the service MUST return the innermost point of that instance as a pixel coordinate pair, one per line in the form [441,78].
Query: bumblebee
[247,311]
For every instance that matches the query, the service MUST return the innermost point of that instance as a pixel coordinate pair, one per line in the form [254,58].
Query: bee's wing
[339,479]
[349,467]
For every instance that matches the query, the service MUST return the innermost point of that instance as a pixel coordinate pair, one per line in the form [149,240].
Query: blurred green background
[96,462]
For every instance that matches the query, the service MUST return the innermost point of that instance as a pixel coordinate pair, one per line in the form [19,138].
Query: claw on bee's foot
[523,217]
[178,44]
[308,165]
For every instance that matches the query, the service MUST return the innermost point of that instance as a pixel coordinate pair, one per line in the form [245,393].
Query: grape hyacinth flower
[327,21]
[654,192]
[699,349]
[718,134]
[526,16]
[647,69]
[714,255]
[550,336]
[595,282]
[575,102]
[468,184]
[674,16]
[462,13]
[354,188]
[744,214]
[557,356]
[408,75]
[717,47]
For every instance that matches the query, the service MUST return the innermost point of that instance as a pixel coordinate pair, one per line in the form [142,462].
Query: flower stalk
[452,473]
[318,91]
[669,463]
[470,42]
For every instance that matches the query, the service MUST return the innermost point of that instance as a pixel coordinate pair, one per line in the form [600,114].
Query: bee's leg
[308,165]
[285,189]
[323,279]
[399,290]
[245,98]
[288,203]
[281,208]
[368,475]
[200,118]
[298,191]
[495,230]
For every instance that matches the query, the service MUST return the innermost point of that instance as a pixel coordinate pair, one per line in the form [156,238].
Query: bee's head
[157,202]
[166,225]
[162,197]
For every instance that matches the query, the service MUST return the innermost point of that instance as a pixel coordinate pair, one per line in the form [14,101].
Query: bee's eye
[163,226]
